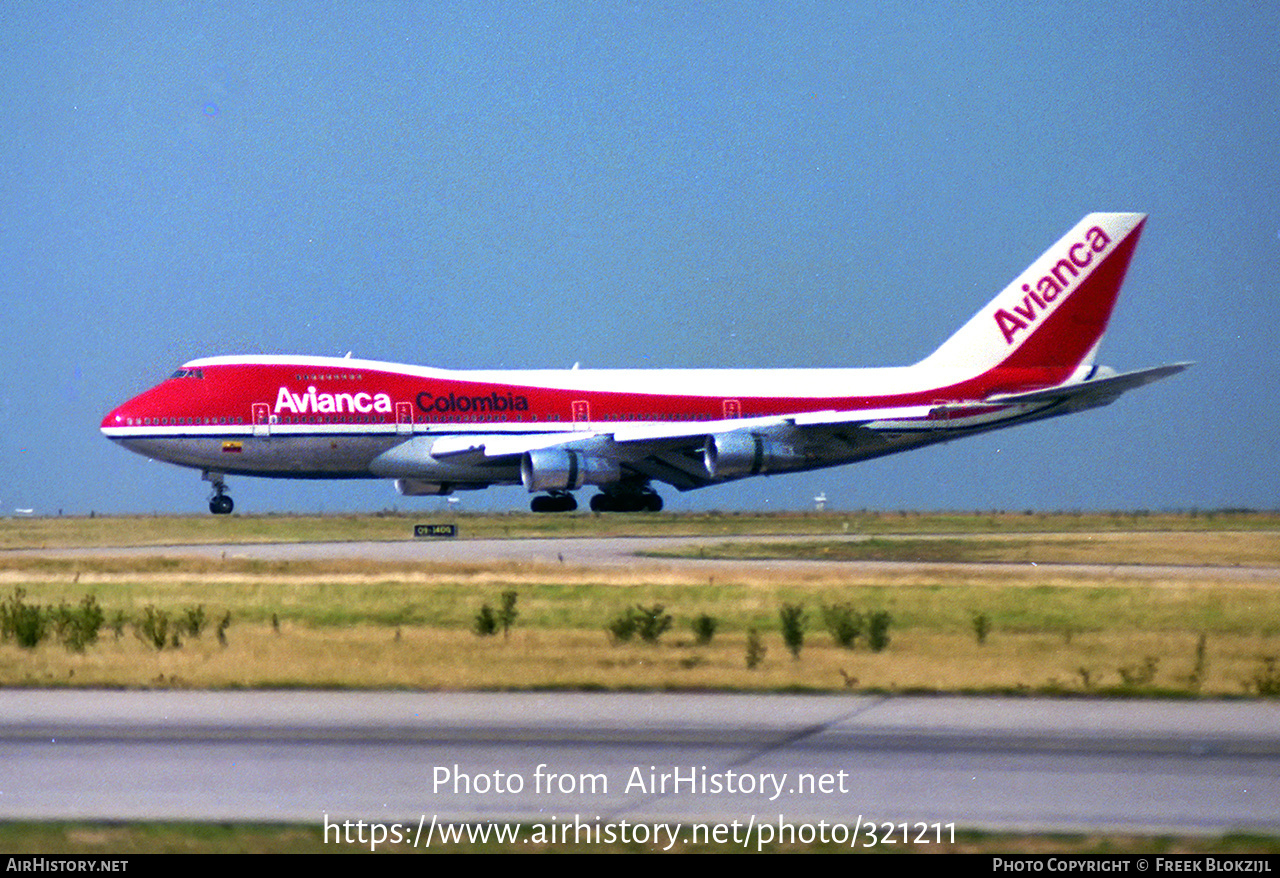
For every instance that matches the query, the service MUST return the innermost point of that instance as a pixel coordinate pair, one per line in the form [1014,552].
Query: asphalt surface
[1014,764]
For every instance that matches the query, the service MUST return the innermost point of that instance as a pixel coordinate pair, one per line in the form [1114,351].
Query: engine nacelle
[740,453]
[555,469]
[419,488]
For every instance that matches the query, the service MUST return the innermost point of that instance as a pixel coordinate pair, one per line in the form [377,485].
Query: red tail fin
[1053,315]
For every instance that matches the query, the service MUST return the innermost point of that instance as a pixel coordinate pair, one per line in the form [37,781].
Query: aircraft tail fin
[1051,318]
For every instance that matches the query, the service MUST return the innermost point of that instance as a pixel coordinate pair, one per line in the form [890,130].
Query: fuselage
[317,417]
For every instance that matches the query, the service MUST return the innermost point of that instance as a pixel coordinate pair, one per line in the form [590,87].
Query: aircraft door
[262,420]
[404,417]
[940,416]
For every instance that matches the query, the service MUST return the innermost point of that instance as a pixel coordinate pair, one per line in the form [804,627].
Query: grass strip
[102,531]
[1249,548]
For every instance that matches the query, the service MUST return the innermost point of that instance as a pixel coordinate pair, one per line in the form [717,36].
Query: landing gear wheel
[558,502]
[220,503]
[646,500]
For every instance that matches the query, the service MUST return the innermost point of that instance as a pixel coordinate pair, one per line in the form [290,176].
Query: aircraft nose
[113,418]
[120,416]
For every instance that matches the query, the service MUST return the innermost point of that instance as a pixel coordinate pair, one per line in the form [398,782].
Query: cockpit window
[188,373]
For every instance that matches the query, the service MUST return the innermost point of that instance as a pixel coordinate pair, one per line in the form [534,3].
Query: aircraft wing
[673,452]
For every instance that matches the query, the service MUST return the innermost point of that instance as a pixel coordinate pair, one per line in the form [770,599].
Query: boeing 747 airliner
[1027,355]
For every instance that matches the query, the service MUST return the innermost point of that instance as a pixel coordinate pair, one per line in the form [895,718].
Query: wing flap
[498,445]
[859,418]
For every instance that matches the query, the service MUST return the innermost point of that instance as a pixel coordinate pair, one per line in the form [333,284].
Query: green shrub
[793,621]
[486,622]
[1201,666]
[981,627]
[26,623]
[651,622]
[194,621]
[623,626]
[755,649]
[153,627]
[704,628]
[1139,675]
[844,623]
[1266,679]
[878,630]
[507,615]
[78,627]
[75,626]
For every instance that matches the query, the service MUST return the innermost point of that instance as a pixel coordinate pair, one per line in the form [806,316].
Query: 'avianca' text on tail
[1028,354]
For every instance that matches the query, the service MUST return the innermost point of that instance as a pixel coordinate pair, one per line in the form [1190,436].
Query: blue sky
[628,185]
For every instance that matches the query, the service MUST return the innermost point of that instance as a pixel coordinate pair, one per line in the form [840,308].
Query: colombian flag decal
[231,447]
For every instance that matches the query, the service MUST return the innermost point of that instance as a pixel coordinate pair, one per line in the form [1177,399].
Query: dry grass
[1050,633]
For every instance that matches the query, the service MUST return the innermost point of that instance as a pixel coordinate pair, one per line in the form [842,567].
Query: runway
[992,763]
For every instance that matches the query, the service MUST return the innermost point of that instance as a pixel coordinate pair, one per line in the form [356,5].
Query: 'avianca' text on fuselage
[435,431]
[1039,301]
[330,403]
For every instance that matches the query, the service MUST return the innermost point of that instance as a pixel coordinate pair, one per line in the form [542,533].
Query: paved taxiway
[623,551]
[294,756]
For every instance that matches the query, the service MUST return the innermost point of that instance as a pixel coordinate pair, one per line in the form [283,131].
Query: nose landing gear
[220,503]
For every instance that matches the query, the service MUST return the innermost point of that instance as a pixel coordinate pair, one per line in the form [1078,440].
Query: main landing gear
[640,500]
[556,501]
[220,503]
[643,499]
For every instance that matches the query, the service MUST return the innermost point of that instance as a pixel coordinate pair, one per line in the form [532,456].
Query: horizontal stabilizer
[1098,391]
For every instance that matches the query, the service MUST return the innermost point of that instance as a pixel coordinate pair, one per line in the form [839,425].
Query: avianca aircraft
[1027,355]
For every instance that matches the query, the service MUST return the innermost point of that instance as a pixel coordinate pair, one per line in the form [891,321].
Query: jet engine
[555,469]
[740,453]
